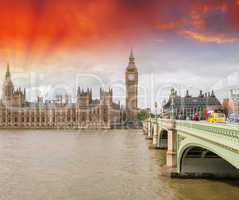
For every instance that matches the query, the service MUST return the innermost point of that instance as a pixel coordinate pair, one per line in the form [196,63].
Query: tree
[143,114]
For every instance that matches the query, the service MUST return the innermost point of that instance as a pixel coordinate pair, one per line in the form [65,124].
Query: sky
[53,46]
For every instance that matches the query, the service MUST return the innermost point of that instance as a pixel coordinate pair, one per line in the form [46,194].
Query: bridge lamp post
[148,114]
[173,96]
[150,117]
[156,113]
[161,109]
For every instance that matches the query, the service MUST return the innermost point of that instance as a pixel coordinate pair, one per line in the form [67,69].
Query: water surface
[93,165]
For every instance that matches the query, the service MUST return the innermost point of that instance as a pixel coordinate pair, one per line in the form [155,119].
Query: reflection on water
[93,166]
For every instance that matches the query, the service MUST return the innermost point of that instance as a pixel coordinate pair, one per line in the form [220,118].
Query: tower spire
[8,73]
[131,53]
[131,57]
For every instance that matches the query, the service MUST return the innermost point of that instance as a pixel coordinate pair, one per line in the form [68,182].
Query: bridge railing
[231,132]
[226,130]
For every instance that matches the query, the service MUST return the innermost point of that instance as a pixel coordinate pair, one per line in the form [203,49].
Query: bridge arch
[163,139]
[151,130]
[201,159]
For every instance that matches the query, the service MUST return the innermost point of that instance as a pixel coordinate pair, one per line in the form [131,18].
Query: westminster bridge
[196,149]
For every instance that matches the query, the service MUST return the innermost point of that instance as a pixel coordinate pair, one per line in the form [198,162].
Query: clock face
[131,77]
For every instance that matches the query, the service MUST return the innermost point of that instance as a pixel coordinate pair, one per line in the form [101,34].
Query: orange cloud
[166,26]
[197,13]
[207,7]
[37,31]
[40,28]
[197,20]
[169,25]
[216,38]
[194,16]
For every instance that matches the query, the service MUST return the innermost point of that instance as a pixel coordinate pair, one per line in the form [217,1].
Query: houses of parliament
[85,113]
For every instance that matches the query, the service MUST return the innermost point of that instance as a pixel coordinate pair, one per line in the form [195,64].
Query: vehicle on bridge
[233,118]
[217,118]
[196,117]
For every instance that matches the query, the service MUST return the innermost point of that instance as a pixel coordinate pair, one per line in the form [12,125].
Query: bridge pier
[155,135]
[162,139]
[172,149]
[170,169]
[145,128]
[149,136]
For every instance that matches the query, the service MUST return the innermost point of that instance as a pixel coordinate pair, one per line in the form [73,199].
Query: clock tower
[131,76]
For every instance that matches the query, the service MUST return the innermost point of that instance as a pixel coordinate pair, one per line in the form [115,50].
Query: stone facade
[85,113]
[187,106]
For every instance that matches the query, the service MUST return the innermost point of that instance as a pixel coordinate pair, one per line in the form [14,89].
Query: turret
[40,100]
[8,73]
[213,94]
[106,98]
[201,93]
[84,98]
[8,87]
[187,93]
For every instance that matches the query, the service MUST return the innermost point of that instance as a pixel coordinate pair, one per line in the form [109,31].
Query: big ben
[131,76]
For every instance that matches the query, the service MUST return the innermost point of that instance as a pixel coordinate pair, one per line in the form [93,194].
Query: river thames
[90,165]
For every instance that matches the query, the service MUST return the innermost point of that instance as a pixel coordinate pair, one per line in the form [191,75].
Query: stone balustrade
[182,134]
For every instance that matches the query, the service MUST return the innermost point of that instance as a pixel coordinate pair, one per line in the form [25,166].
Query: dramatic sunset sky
[190,44]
